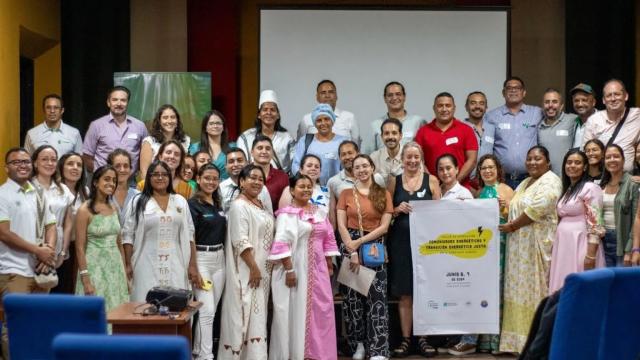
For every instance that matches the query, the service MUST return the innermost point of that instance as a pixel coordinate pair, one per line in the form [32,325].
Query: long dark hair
[277,127]
[81,186]
[204,136]
[156,129]
[377,194]
[94,190]
[636,165]
[200,195]
[606,175]
[147,190]
[570,191]
[600,145]
[34,169]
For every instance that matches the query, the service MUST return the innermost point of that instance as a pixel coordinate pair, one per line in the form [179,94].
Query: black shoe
[402,350]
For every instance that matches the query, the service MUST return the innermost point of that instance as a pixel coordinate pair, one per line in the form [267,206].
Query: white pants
[211,267]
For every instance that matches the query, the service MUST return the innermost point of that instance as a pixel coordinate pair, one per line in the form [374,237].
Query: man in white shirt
[53,131]
[394,98]
[229,191]
[345,123]
[603,123]
[20,255]
[387,159]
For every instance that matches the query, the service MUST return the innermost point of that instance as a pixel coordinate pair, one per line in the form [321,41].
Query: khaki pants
[12,283]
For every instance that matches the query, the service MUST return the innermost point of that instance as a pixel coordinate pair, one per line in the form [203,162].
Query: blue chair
[34,320]
[621,333]
[120,347]
[581,312]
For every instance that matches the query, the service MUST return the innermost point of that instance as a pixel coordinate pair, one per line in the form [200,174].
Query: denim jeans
[610,246]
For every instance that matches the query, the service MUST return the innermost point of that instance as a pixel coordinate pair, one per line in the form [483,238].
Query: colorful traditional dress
[161,245]
[580,223]
[303,319]
[104,261]
[243,324]
[528,257]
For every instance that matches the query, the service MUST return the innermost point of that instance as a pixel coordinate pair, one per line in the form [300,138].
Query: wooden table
[128,319]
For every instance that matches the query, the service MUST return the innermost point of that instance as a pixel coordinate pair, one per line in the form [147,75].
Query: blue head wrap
[323,109]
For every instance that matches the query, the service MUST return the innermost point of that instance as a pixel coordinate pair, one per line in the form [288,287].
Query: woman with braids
[364,214]
[166,126]
[210,232]
[98,244]
[577,246]
[158,236]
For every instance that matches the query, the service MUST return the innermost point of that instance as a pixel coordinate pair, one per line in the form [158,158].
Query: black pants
[367,317]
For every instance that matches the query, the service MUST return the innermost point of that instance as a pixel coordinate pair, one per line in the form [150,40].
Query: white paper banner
[455,250]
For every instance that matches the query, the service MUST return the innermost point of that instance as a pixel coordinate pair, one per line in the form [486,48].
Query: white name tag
[453,140]
[408,134]
[488,139]
[562,132]
[132,136]
[504,126]
[330,156]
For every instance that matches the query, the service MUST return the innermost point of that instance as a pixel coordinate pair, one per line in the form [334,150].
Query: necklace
[412,184]
[255,202]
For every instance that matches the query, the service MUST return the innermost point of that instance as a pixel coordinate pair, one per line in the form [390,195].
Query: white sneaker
[378,358]
[359,354]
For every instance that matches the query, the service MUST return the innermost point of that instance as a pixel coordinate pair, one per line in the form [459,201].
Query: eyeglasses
[159,175]
[19,162]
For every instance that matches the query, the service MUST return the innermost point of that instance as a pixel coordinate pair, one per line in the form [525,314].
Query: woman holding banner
[531,228]
[364,214]
[412,184]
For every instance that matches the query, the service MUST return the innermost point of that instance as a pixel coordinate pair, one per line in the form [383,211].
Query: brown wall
[158,35]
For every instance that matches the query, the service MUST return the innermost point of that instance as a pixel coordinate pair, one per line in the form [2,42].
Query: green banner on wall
[189,92]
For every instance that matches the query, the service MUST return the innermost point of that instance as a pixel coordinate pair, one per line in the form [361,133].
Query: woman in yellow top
[172,153]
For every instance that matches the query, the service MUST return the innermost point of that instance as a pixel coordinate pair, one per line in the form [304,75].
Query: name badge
[504,126]
[489,139]
[330,156]
[408,134]
[453,140]
[562,132]
[132,136]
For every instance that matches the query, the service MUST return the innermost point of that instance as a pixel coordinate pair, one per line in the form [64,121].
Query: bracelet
[84,272]
[635,250]
[352,254]
[289,271]
[589,257]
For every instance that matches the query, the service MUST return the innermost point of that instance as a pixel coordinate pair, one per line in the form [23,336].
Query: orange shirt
[370,216]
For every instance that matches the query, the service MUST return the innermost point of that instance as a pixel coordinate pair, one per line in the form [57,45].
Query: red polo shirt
[457,139]
[277,181]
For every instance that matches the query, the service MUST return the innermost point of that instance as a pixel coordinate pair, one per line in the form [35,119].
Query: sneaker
[359,354]
[462,348]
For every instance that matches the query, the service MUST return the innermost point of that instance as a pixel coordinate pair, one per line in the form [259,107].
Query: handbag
[49,279]
[371,253]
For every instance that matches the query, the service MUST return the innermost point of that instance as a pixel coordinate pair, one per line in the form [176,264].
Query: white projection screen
[429,51]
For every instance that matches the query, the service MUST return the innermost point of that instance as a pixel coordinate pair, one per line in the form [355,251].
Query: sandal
[426,350]
[403,349]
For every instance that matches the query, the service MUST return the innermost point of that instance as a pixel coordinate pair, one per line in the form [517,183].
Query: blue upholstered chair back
[34,320]
[621,331]
[581,314]
[120,347]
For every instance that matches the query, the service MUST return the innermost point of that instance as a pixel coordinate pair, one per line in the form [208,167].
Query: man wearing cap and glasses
[584,104]
[511,130]
[324,144]
[616,124]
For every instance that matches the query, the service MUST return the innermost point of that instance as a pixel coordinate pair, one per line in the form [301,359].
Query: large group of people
[262,224]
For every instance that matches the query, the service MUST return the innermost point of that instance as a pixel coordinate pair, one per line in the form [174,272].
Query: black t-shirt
[209,221]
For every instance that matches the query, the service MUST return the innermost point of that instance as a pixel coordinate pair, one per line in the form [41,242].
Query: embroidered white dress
[161,248]
[243,326]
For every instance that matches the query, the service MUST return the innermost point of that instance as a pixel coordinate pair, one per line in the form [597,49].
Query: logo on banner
[472,244]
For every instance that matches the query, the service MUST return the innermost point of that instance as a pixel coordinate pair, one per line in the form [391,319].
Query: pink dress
[303,324]
[580,218]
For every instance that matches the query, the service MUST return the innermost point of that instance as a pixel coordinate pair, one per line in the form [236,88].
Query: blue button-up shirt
[510,136]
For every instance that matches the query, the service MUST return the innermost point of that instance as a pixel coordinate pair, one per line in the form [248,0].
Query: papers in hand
[360,281]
